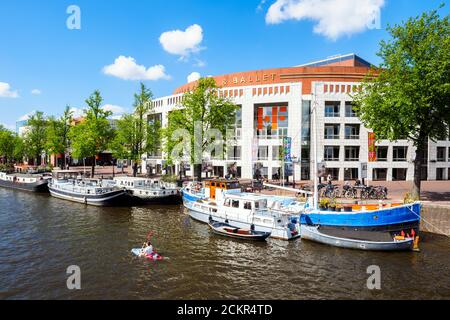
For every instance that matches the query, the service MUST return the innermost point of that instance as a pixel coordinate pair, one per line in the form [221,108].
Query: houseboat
[70,185]
[149,190]
[223,202]
[25,182]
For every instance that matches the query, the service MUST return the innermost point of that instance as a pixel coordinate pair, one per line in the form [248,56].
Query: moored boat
[25,182]
[228,230]
[69,185]
[389,218]
[371,241]
[145,190]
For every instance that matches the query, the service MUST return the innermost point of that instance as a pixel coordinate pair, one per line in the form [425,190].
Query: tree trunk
[420,151]
[93,167]
[198,171]
[135,168]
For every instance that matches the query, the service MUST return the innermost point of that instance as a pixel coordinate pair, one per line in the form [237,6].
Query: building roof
[347,60]
[341,68]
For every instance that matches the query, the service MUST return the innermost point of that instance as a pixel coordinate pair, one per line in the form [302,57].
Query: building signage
[372,147]
[249,79]
[287,147]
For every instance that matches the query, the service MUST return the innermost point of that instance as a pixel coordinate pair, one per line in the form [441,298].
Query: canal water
[41,236]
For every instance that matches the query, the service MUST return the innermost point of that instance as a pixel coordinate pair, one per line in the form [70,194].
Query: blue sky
[63,66]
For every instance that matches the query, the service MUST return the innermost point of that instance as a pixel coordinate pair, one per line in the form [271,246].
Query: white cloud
[36,91]
[76,112]
[334,18]
[182,43]
[199,63]
[116,110]
[6,92]
[27,116]
[194,76]
[126,68]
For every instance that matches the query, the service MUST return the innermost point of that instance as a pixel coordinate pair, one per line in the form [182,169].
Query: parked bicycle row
[349,191]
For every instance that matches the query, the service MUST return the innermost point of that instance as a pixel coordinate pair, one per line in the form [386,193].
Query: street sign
[363,170]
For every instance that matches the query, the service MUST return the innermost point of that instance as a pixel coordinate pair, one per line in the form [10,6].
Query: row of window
[351,153]
[333,109]
[332,131]
[378,174]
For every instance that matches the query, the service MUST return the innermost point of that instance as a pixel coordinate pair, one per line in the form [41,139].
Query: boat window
[235,204]
[248,205]
[256,205]
[227,203]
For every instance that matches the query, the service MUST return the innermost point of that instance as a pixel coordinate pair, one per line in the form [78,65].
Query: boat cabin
[245,202]
[216,188]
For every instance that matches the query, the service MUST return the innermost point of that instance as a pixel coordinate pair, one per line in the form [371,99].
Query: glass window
[382,153]
[234,153]
[276,152]
[352,153]
[332,108]
[235,203]
[380,174]
[271,121]
[440,154]
[351,173]
[440,174]
[399,153]
[334,172]
[332,131]
[349,110]
[352,131]
[247,205]
[399,174]
[331,153]
[263,153]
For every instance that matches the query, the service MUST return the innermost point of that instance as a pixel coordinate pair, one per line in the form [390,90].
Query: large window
[332,131]
[440,174]
[380,174]
[382,153]
[349,109]
[234,153]
[276,152]
[352,131]
[350,173]
[263,153]
[399,153]
[331,153]
[271,121]
[440,154]
[399,174]
[334,172]
[332,109]
[352,153]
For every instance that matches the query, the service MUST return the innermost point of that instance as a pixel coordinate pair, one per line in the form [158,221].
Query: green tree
[58,142]
[408,97]
[7,142]
[135,135]
[35,137]
[94,134]
[203,110]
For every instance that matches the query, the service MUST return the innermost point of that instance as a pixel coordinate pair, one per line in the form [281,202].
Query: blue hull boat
[392,219]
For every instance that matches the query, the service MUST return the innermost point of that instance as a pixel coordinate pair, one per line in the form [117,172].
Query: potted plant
[332,205]
[323,204]
[348,208]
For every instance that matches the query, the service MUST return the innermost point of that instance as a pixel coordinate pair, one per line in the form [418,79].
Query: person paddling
[147,249]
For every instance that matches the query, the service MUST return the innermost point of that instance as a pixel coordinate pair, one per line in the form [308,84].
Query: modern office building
[277,103]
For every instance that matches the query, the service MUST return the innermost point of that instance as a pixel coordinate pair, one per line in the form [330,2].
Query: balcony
[279,133]
[352,136]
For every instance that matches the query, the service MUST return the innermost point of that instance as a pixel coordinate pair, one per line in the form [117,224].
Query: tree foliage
[57,141]
[409,95]
[202,106]
[35,137]
[93,135]
[135,135]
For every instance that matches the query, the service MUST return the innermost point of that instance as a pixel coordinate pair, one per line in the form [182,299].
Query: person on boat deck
[147,248]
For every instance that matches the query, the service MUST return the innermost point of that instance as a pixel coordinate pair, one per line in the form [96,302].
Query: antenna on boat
[314,134]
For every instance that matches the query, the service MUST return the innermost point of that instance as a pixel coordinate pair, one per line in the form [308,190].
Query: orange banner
[372,147]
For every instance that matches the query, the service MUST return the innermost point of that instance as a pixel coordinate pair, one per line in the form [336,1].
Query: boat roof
[245,196]
[132,178]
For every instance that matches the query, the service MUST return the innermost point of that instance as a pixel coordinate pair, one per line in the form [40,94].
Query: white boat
[371,241]
[149,190]
[69,185]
